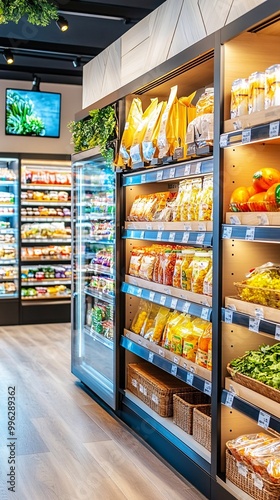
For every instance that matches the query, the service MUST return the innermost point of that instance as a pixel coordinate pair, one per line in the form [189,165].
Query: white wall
[71,103]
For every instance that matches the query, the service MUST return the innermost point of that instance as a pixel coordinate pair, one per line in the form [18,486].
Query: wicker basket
[183,406]
[202,425]
[155,387]
[255,385]
[267,297]
[257,487]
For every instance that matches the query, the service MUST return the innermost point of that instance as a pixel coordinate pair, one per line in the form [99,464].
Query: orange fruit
[252,190]
[256,202]
[273,193]
[264,178]
[240,195]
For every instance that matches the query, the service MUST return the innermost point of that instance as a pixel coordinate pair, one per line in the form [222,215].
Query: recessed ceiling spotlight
[77,62]
[36,83]
[8,56]
[62,23]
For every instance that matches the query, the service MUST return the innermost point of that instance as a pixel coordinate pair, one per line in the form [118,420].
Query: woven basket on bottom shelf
[183,406]
[154,387]
[202,425]
[248,481]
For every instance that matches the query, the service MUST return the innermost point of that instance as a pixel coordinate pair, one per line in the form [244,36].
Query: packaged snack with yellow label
[154,333]
[150,137]
[132,122]
[141,316]
[136,154]
[203,347]
[205,202]
[186,268]
[166,130]
[201,263]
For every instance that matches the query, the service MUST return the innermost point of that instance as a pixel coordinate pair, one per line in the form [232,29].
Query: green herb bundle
[262,365]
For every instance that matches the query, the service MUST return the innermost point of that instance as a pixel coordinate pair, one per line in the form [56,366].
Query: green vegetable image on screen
[21,119]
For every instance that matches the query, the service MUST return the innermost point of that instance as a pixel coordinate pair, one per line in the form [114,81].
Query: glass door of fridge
[93,264]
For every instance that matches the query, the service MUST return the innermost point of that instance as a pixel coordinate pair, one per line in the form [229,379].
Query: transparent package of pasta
[140,317]
[165,129]
[150,137]
[201,263]
[186,268]
[133,120]
[154,333]
[135,261]
[205,202]
[184,206]
[147,265]
[172,327]
[193,205]
[239,97]
[136,154]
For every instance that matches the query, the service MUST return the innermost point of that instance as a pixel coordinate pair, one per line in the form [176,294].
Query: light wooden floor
[68,447]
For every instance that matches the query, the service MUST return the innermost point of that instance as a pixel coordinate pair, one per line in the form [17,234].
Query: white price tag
[204,313]
[254,325]
[263,220]
[139,292]
[172,236]
[274,129]
[173,303]
[258,482]
[187,170]
[130,180]
[143,178]
[190,377]
[140,341]
[242,469]
[186,237]
[264,419]
[198,168]
[159,175]
[162,300]
[151,357]
[159,235]
[227,232]
[229,399]
[250,233]
[130,289]
[259,313]
[174,369]
[176,360]
[152,296]
[155,399]
[161,353]
[141,388]
[186,307]
[234,220]
[246,136]
[167,290]
[172,173]
[200,238]
[207,388]
[223,140]
[187,227]
[202,226]
[228,316]
[277,332]
[142,235]
[149,226]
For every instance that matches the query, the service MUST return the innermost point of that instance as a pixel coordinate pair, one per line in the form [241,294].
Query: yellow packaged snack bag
[177,203]
[200,265]
[207,283]
[162,142]
[205,103]
[177,270]
[149,140]
[147,265]
[132,122]
[190,344]
[136,146]
[205,203]
[186,200]
[148,325]
[186,269]
[172,327]
[155,332]
[140,317]
[135,261]
[193,204]
[178,334]
[203,347]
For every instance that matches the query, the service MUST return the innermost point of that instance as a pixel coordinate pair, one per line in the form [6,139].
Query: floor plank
[68,447]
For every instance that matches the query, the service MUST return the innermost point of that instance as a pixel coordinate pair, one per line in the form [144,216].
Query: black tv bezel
[37,92]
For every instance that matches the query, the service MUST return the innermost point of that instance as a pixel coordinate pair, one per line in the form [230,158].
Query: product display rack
[9,240]
[45,239]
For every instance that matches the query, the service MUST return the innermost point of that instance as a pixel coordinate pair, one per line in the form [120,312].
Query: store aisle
[67,447]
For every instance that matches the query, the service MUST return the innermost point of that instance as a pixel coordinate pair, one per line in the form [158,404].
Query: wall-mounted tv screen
[32,113]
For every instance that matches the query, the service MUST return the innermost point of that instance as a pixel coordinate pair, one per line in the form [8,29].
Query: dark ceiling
[49,53]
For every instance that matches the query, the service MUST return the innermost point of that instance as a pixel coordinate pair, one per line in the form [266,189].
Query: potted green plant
[38,12]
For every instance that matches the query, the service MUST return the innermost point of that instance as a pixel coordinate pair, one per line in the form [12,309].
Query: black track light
[77,62]
[8,56]
[62,23]
[36,83]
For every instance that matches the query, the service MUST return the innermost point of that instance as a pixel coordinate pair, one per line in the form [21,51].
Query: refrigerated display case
[94,275]
[45,240]
[9,241]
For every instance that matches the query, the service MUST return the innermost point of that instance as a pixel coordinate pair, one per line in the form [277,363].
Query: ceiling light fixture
[36,83]
[77,62]
[62,23]
[97,16]
[8,56]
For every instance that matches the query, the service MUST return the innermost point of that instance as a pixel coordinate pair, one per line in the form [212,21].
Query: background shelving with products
[45,238]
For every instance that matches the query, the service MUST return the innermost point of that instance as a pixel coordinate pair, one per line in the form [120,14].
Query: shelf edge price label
[277,332]
[139,292]
[273,129]
[200,238]
[186,307]
[186,237]
[204,313]
[172,236]
[187,170]
[151,357]
[223,140]
[246,136]
[229,399]
[207,389]
[264,419]
[151,296]
[173,303]
[162,300]
[228,316]
[227,232]
[250,234]
[143,178]
[258,482]
[172,173]
[254,324]
[174,369]
[142,235]
[161,353]
[198,168]
[130,290]
[190,377]
[129,180]
[159,235]
[159,175]
[176,360]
